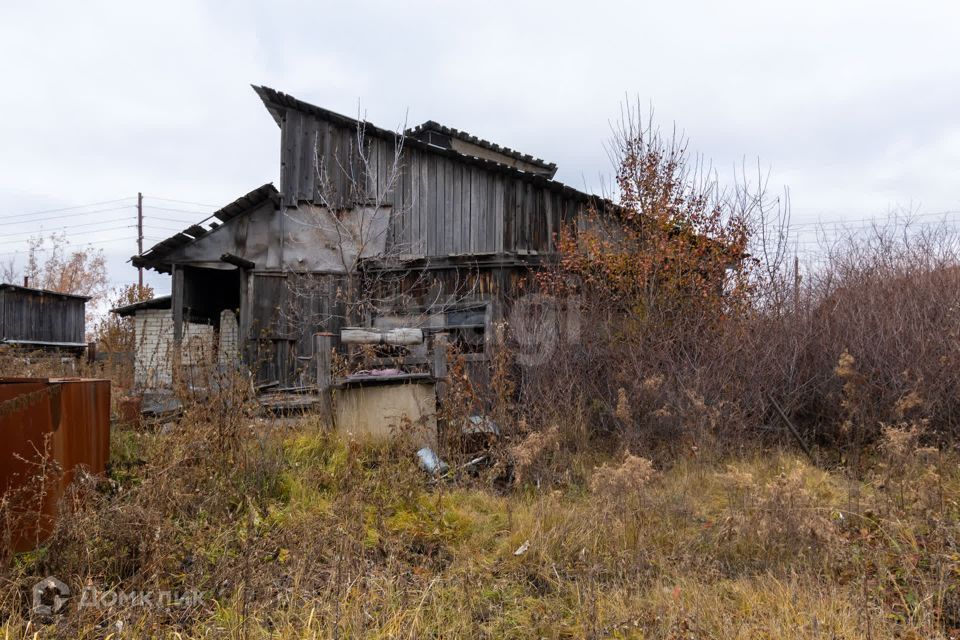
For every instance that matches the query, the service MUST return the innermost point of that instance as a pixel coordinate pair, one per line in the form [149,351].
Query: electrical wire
[905,218]
[166,225]
[156,208]
[79,206]
[199,204]
[66,215]
[166,230]
[128,226]
[85,244]
[42,216]
[64,228]
[184,221]
[199,218]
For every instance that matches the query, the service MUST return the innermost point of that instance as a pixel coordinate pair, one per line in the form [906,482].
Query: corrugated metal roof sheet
[422,132]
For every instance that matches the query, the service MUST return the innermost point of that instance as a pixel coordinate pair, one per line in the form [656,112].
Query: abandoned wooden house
[431,227]
[41,319]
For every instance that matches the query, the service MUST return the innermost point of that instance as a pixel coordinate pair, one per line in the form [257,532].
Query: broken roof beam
[196,231]
[237,261]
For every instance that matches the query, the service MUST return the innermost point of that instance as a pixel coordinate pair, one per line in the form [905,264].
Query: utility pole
[140,235]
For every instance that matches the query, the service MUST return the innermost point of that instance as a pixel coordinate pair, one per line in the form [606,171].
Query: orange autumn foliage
[669,247]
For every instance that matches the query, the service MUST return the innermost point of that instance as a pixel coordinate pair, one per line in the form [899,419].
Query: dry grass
[298,534]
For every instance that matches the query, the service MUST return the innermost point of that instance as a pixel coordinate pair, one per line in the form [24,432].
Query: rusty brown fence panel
[49,429]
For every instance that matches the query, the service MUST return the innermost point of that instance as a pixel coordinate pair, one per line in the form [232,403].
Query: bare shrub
[630,477]
[696,325]
[667,299]
[533,453]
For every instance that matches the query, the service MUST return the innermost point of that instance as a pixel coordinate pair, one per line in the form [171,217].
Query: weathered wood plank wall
[442,203]
[286,311]
[31,316]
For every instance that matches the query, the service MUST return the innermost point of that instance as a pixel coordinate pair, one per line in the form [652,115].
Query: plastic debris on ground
[431,462]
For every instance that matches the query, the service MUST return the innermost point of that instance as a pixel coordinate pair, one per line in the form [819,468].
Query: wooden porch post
[440,341]
[243,324]
[176,305]
[322,343]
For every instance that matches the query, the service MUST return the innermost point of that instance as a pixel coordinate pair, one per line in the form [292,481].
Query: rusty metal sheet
[49,429]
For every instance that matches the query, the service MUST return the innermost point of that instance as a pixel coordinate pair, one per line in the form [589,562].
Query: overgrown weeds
[303,534]
[692,327]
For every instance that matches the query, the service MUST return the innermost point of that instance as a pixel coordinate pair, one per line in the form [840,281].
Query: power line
[67,215]
[183,221]
[62,216]
[199,204]
[155,207]
[905,219]
[98,231]
[140,236]
[77,210]
[166,224]
[85,244]
[79,206]
[40,232]
[165,229]
[865,230]
[172,224]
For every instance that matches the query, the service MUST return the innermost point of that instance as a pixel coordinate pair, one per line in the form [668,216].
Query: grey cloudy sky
[854,105]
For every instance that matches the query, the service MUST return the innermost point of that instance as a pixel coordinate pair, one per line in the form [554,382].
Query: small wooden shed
[38,318]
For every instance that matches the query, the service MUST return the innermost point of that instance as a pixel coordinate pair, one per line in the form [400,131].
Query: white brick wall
[153,332]
[229,350]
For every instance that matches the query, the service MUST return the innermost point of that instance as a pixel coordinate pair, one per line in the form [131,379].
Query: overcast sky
[853,105]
